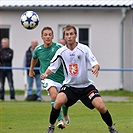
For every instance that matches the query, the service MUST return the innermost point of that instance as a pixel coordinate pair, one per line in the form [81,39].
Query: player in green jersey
[44,53]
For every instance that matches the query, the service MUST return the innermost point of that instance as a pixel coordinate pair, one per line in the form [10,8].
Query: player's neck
[47,45]
[72,46]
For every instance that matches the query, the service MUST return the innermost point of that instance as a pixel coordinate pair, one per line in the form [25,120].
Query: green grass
[105,92]
[117,93]
[21,92]
[32,117]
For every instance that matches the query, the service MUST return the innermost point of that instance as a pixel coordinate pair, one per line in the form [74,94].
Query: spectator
[30,81]
[0,57]
[0,68]
[62,41]
[6,61]
[25,82]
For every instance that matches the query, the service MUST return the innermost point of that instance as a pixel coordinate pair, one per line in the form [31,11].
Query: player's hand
[43,76]
[31,74]
[95,70]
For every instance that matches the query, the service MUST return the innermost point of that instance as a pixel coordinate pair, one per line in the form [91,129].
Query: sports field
[32,117]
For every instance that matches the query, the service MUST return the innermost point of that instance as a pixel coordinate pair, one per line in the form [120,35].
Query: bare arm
[32,65]
[95,70]
[46,74]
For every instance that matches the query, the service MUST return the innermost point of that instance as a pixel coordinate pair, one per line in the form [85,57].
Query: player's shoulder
[82,47]
[40,46]
[61,49]
[57,45]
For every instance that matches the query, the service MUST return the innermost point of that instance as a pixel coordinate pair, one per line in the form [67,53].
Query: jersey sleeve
[91,58]
[34,55]
[55,62]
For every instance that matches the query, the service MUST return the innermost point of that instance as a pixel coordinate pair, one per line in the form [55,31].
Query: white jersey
[75,65]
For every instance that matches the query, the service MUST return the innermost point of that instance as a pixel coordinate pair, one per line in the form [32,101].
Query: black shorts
[74,94]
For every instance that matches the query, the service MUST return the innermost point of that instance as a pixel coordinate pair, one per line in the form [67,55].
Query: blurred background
[106,26]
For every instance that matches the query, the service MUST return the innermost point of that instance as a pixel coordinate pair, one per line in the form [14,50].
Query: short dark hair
[68,27]
[47,28]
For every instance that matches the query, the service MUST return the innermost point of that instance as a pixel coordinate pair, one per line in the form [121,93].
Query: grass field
[32,117]
[117,92]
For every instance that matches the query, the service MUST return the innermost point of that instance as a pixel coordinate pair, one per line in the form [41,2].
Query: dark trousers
[9,75]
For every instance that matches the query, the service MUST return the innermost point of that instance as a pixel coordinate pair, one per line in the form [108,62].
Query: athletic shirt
[75,65]
[45,55]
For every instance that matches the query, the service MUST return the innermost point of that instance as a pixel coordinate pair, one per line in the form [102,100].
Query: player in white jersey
[77,84]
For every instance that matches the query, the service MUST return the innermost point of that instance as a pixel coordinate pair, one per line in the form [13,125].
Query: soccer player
[44,53]
[77,84]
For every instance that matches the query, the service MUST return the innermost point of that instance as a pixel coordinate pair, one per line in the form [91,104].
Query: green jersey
[45,55]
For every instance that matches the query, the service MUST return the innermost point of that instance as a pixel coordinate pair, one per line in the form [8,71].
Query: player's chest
[73,57]
[46,55]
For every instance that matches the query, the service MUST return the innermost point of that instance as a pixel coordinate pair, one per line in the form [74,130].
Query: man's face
[70,36]
[5,43]
[34,43]
[47,36]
